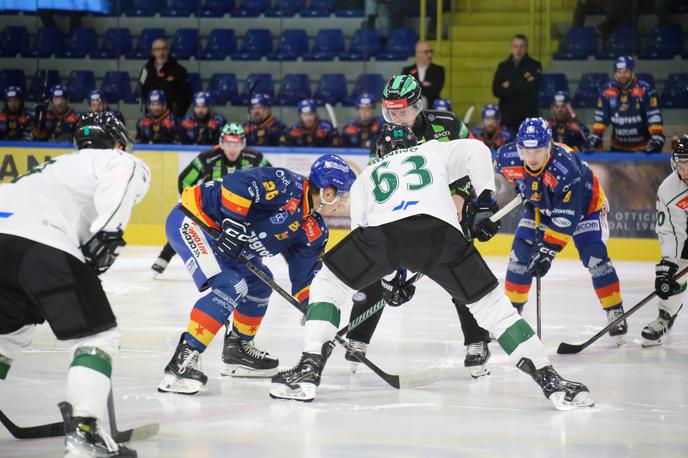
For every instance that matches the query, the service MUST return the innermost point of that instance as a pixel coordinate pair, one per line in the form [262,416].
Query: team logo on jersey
[404,205]
[683,203]
[279,218]
[291,206]
[310,226]
[282,236]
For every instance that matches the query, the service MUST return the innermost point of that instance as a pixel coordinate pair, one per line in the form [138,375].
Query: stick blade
[32,432]
[422,378]
[137,434]
[569,349]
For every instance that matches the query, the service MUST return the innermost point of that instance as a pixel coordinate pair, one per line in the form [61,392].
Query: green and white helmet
[401,91]
[233,132]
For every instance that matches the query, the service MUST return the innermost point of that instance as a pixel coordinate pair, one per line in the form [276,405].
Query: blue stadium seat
[145,8]
[328,44]
[116,41]
[589,88]
[223,88]
[82,42]
[146,39]
[194,80]
[12,77]
[318,8]
[118,7]
[292,45]
[349,13]
[666,41]
[295,87]
[180,8]
[400,45]
[622,41]
[372,83]
[647,77]
[14,39]
[221,44]
[549,84]
[40,84]
[331,89]
[286,8]
[256,44]
[185,43]
[115,86]
[251,8]
[48,42]
[79,84]
[255,83]
[579,43]
[675,93]
[364,45]
[216,8]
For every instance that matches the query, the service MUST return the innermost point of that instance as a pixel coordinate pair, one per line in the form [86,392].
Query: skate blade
[581,400]
[354,367]
[620,339]
[172,384]
[304,392]
[235,370]
[479,371]
[651,343]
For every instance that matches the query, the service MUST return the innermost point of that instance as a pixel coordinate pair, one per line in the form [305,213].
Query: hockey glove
[541,259]
[233,238]
[477,217]
[396,291]
[595,140]
[102,250]
[655,144]
[665,281]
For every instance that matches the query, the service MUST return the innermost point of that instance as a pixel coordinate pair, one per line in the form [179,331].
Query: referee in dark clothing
[516,83]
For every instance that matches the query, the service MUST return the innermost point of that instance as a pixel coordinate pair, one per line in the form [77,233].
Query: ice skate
[564,394]
[183,373]
[619,331]
[658,330]
[477,355]
[159,267]
[360,347]
[301,381]
[84,437]
[241,358]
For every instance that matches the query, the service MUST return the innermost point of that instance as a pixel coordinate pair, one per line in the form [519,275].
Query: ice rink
[641,394]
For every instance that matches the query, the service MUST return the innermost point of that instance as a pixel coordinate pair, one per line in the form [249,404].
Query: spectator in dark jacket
[162,72]
[516,83]
[429,75]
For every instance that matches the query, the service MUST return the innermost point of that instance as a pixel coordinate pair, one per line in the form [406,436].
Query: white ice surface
[641,394]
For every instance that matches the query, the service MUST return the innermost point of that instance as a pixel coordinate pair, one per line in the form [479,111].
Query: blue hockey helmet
[624,62]
[58,91]
[201,98]
[262,99]
[561,97]
[12,92]
[95,96]
[490,111]
[442,104]
[156,96]
[332,170]
[534,133]
[365,99]
[307,106]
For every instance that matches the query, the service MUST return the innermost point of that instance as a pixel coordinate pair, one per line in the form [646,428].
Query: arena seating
[40,84]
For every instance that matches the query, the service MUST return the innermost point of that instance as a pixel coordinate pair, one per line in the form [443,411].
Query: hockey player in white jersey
[672,222]
[61,226]
[403,216]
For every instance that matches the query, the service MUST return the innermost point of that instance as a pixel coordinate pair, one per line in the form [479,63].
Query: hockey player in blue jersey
[631,106]
[362,132]
[260,212]
[442,105]
[310,130]
[565,127]
[492,133]
[572,205]
[202,126]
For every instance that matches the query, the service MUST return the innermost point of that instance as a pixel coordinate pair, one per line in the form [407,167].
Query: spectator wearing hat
[98,104]
[158,125]
[442,105]
[262,128]
[59,121]
[15,120]
[362,131]
[202,127]
[310,130]
[565,127]
[631,107]
[492,133]
[162,72]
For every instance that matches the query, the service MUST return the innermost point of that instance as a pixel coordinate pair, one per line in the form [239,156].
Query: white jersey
[65,201]
[416,181]
[672,204]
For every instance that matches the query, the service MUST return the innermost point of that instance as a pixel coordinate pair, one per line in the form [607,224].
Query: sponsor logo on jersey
[587,226]
[193,240]
[561,221]
[623,120]
[291,206]
[549,180]
[514,173]
[683,203]
[257,246]
[567,197]
[310,226]
[446,133]
[191,265]
[294,226]
[559,166]
[282,236]
[404,205]
[279,218]
[536,197]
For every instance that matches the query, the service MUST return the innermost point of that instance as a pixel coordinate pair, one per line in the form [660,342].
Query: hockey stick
[330,113]
[538,280]
[569,349]
[469,114]
[134,434]
[32,432]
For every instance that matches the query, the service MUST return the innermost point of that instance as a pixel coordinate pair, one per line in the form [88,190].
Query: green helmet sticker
[233,128]
[87,131]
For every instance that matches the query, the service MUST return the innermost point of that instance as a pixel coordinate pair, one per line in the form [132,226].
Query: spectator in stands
[15,120]
[362,131]
[516,83]
[617,13]
[565,127]
[630,105]
[159,124]
[164,73]
[58,122]
[442,105]
[202,127]
[98,104]
[310,130]
[263,129]
[429,75]
[492,133]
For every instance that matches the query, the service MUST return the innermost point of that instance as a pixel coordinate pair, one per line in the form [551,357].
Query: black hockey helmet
[101,131]
[393,137]
[679,153]
[401,91]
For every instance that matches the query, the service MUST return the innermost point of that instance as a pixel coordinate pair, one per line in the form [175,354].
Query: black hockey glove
[233,238]
[665,281]
[477,217]
[655,144]
[541,258]
[396,291]
[102,250]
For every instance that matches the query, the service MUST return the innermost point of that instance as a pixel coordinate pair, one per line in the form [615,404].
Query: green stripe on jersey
[5,363]
[324,311]
[93,358]
[515,335]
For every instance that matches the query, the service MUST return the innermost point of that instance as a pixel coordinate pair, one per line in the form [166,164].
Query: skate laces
[107,439]
[355,345]
[191,359]
[252,351]
[613,314]
[660,325]
[477,348]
